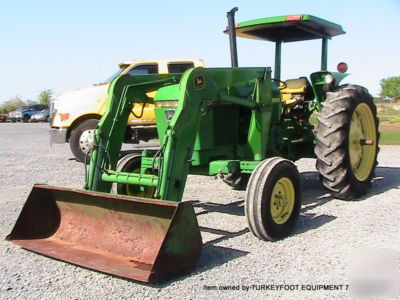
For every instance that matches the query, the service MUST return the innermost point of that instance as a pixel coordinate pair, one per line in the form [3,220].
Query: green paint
[288,29]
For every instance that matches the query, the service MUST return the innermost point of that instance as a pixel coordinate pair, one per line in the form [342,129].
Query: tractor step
[140,239]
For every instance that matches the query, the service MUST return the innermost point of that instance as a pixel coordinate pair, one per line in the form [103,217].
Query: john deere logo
[199,82]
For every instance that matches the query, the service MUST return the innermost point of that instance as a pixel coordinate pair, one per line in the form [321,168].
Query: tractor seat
[296,90]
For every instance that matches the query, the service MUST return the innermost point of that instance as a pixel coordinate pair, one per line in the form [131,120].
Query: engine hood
[85,98]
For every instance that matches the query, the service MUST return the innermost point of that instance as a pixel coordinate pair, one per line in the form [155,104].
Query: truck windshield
[109,79]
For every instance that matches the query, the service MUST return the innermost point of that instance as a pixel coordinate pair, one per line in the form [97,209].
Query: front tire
[81,139]
[347,141]
[273,199]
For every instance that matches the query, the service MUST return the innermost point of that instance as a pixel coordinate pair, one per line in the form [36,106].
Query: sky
[63,45]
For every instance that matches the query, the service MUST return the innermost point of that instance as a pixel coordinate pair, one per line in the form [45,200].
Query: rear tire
[132,163]
[347,125]
[81,139]
[273,199]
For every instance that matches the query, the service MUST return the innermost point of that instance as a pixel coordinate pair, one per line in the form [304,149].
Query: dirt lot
[318,253]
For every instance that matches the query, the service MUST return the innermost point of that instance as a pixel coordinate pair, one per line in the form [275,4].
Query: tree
[390,87]
[45,97]
[12,104]
[31,102]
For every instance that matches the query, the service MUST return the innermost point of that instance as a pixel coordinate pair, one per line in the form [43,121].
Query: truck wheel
[273,199]
[132,163]
[347,141]
[81,139]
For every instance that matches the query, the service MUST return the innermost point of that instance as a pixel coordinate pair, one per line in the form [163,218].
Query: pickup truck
[74,115]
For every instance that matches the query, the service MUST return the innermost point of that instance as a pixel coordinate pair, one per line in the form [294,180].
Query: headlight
[328,78]
[169,113]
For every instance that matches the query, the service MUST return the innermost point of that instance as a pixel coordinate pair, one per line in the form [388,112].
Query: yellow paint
[139,191]
[293,87]
[282,200]
[362,128]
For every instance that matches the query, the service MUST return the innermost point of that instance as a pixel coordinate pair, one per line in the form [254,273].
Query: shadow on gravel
[211,256]
[310,221]
[314,193]
[386,178]
[234,208]
[225,234]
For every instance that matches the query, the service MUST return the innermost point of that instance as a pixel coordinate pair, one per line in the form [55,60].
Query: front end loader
[245,125]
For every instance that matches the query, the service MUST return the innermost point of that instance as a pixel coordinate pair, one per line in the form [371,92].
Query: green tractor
[246,125]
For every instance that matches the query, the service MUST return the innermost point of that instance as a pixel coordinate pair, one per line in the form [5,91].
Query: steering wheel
[281,84]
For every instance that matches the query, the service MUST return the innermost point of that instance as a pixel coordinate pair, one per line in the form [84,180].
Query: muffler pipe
[232,36]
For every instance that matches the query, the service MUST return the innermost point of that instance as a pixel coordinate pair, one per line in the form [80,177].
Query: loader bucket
[139,239]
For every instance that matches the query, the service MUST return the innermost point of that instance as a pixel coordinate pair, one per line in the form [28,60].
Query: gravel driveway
[328,233]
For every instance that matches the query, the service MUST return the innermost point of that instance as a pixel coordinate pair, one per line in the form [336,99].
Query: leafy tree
[390,87]
[31,102]
[12,104]
[45,97]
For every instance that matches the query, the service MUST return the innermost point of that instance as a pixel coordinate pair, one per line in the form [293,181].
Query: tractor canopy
[285,29]
[288,28]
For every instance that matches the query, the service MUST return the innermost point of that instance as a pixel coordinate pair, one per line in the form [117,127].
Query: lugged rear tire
[347,125]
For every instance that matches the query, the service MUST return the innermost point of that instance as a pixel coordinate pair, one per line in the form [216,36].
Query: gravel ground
[328,233]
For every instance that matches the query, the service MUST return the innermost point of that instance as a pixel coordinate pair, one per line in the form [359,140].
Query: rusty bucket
[139,239]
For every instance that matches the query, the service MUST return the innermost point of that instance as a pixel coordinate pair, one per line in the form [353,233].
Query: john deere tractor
[246,125]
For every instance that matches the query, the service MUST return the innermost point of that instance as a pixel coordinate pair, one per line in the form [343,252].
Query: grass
[390,138]
[390,119]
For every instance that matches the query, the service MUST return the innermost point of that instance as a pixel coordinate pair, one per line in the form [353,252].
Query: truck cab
[74,115]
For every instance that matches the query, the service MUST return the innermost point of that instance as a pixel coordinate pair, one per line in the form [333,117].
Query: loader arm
[123,93]
[198,90]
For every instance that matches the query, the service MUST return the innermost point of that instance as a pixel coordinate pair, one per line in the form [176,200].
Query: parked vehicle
[12,115]
[74,115]
[24,113]
[43,116]
[3,118]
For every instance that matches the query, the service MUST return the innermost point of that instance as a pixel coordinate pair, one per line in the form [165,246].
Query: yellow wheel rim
[362,141]
[282,200]
[139,191]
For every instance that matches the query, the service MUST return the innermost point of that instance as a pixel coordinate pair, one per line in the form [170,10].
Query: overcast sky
[63,45]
